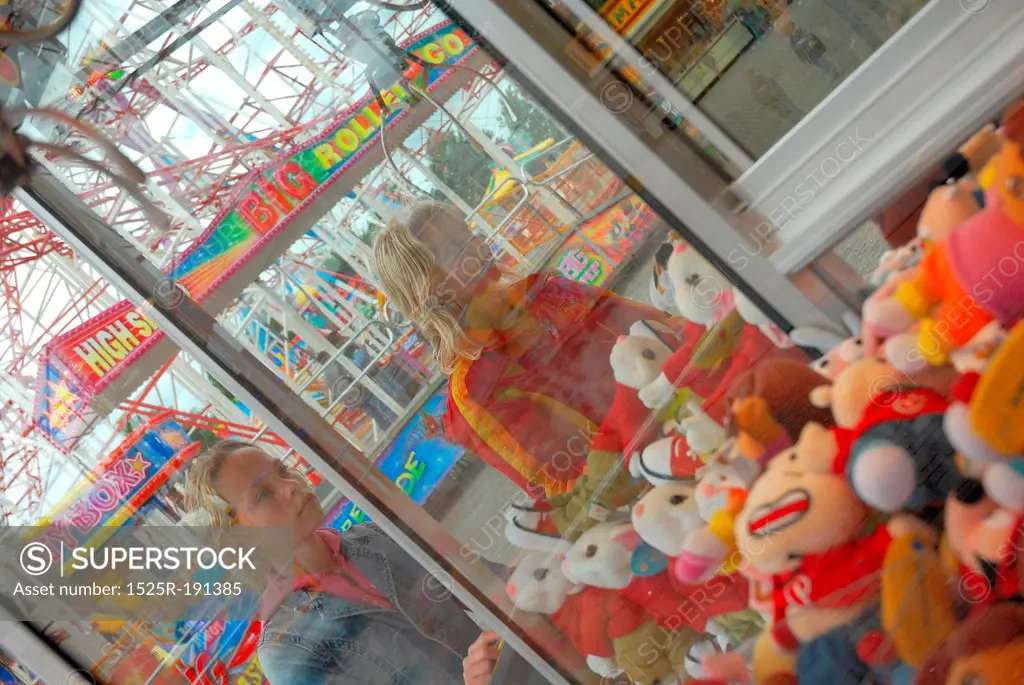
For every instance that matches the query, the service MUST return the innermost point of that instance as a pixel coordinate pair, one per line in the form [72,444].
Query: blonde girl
[527,359]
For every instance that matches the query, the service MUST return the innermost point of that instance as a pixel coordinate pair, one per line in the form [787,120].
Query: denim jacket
[320,639]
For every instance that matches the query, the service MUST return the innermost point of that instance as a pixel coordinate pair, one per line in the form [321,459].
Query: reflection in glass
[707,48]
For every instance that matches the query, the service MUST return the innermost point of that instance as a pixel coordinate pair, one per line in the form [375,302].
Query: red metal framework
[298,86]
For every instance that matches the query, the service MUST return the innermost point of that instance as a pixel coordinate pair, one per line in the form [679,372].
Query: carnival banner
[271,208]
[119,486]
[616,233]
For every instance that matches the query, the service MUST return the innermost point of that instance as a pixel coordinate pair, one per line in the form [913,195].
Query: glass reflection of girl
[528,359]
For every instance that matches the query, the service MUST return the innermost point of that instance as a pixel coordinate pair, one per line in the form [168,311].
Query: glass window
[754,67]
[511,341]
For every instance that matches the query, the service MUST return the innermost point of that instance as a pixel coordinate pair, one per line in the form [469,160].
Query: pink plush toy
[963,283]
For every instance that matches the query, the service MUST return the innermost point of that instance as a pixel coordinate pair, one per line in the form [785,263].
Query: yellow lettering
[433,53]
[395,94]
[110,343]
[452,44]
[371,113]
[346,140]
[92,358]
[327,155]
[406,482]
[124,336]
[142,325]
[361,130]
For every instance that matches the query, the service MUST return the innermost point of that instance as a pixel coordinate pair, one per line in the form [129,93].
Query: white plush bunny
[666,516]
[839,357]
[599,558]
[538,585]
[702,294]
[637,358]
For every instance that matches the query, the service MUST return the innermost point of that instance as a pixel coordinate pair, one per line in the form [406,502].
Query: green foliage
[461,167]
[224,391]
[367,232]
[131,424]
[467,170]
[205,436]
[532,122]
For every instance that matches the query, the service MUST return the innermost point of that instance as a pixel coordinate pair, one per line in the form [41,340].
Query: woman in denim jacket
[358,611]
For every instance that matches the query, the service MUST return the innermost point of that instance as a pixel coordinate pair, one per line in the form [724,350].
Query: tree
[536,123]
[461,167]
[367,232]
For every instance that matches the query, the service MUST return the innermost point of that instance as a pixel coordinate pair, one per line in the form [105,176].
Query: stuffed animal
[636,360]
[612,633]
[720,493]
[948,207]
[628,427]
[989,409]
[964,282]
[897,261]
[781,408]
[726,344]
[890,442]
[987,544]
[665,516]
[838,356]
[665,519]
[614,556]
[980,424]
[803,525]
[985,649]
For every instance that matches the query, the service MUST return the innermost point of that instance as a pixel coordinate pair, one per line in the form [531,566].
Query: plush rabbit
[727,343]
[667,519]
[593,619]
[614,556]
[612,630]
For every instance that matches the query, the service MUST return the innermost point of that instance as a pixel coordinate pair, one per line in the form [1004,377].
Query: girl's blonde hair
[406,268]
[200,493]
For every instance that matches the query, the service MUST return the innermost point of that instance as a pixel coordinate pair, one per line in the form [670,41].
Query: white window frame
[955,64]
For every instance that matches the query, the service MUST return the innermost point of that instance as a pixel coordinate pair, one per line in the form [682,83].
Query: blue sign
[416,461]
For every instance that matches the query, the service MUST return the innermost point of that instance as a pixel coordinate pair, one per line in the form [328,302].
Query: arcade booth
[671,341]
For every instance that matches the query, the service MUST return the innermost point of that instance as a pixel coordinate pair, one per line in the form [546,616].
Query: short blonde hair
[406,268]
[200,492]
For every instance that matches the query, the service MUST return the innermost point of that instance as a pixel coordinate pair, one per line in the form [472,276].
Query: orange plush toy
[968,280]
[986,649]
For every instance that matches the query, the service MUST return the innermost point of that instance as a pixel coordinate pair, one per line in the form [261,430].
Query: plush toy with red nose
[891,445]
[805,527]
